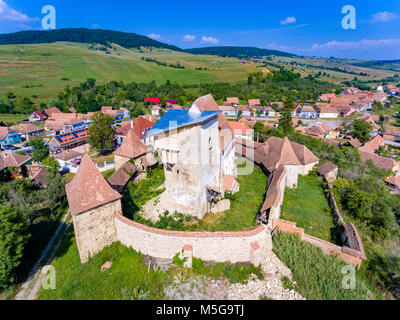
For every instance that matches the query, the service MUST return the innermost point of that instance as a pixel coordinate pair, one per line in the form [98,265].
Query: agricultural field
[314,65]
[41,71]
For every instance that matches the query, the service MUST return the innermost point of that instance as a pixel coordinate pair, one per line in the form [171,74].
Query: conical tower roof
[89,189]
[132,147]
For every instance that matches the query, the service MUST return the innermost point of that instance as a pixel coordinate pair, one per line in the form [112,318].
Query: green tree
[40,151]
[25,106]
[361,129]
[13,237]
[101,134]
[51,165]
[54,192]
[285,121]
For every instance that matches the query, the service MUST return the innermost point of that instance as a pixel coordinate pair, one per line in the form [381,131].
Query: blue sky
[305,27]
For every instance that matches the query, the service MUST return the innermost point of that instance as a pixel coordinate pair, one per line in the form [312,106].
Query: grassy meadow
[313,214]
[319,276]
[43,70]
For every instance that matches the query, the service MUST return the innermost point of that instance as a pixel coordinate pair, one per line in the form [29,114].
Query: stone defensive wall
[252,245]
[349,255]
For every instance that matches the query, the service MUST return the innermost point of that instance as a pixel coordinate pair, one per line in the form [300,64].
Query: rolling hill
[239,52]
[81,35]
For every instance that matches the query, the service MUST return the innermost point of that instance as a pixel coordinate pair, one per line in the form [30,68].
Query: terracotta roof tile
[381,162]
[207,103]
[132,147]
[13,160]
[327,167]
[373,145]
[89,189]
[122,176]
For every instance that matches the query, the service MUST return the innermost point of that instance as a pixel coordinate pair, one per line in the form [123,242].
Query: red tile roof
[13,160]
[207,103]
[132,147]
[373,145]
[140,126]
[240,128]
[89,189]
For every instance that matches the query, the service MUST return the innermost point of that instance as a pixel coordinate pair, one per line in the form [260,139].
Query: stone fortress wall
[253,245]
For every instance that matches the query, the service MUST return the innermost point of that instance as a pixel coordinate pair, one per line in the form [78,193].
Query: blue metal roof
[174,119]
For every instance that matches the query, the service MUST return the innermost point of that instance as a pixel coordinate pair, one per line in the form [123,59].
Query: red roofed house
[241,130]
[140,126]
[152,100]
[37,116]
[49,112]
[93,204]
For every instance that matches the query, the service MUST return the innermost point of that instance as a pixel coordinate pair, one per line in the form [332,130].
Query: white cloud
[96,26]
[7,13]
[288,20]
[154,36]
[362,44]
[189,37]
[384,16]
[209,40]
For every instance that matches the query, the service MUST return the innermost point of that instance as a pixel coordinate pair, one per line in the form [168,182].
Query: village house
[254,103]
[381,162]
[49,112]
[67,159]
[325,111]
[16,163]
[37,116]
[228,111]
[54,127]
[28,131]
[8,137]
[134,150]
[155,110]
[69,140]
[72,110]
[118,114]
[392,135]
[373,145]
[38,174]
[355,143]
[241,130]
[307,112]
[327,97]
[243,111]
[141,126]
[233,102]
[152,101]
[323,130]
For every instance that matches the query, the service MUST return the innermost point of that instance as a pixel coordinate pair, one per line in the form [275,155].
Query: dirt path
[31,287]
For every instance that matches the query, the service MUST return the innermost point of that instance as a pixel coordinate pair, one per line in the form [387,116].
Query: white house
[327,112]
[155,110]
[228,111]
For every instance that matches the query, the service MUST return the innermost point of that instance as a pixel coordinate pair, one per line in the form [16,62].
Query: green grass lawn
[11,119]
[308,206]
[244,204]
[129,277]
[319,276]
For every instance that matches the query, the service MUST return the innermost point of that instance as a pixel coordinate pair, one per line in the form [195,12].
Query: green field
[313,214]
[11,119]
[45,69]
